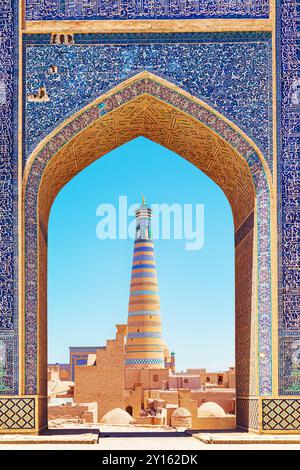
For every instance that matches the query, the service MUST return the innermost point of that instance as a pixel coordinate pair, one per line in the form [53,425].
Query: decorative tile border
[9,190]
[193,108]
[144,9]
[264,275]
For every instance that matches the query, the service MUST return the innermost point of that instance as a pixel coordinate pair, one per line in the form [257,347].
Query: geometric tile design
[281,414]
[247,413]
[17,413]
[144,292]
[145,361]
[145,10]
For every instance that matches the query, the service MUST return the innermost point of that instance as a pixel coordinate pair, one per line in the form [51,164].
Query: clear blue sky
[88,278]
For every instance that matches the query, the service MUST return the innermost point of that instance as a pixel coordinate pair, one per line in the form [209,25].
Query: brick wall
[104,382]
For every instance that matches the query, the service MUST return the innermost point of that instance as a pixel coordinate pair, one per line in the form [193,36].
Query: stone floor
[73,432]
[57,436]
[74,435]
[149,444]
[247,438]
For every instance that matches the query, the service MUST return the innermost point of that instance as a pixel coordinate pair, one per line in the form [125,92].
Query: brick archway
[146,105]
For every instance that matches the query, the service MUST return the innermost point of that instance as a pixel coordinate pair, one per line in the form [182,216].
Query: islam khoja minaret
[144,343]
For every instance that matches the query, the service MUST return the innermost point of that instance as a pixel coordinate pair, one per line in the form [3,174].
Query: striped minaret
[144,344]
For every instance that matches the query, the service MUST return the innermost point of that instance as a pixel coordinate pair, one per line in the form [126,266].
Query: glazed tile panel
[8,198]
[288,13]
[230,72]
[144,9]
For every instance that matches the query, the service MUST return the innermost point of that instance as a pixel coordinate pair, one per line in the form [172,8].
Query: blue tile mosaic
[231,72]
[288,83]
[144,9]
[8,197]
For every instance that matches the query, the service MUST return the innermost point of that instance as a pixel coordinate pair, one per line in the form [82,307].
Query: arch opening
[231,162]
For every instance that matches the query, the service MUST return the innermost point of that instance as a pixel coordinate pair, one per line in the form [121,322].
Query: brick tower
[144,344]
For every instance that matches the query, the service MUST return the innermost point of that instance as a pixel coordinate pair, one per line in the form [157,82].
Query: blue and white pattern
[144,361]
[9,195]
[288,83]
[145,292]
[144,9]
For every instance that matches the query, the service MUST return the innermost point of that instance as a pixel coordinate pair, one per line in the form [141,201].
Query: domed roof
[181,412]
[117,416]
[211,409]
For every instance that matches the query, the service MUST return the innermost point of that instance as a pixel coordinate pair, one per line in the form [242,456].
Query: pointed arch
[149,106]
